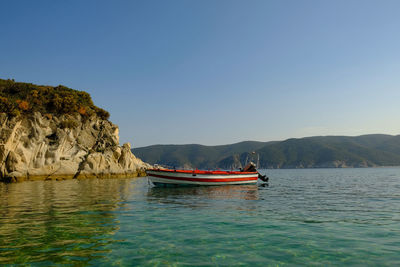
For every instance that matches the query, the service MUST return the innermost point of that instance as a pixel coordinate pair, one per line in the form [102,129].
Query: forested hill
[310,152]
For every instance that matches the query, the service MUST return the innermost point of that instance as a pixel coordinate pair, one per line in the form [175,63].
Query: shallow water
[304,217]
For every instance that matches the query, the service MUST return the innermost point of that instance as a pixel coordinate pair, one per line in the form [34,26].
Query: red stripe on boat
[201,172]
[205,180]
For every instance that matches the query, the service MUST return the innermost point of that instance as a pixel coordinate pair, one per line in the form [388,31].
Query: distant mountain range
[310,152]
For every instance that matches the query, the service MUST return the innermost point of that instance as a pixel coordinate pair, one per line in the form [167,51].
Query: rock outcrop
[47,147]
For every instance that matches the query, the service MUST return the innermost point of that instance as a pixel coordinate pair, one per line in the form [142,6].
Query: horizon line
[282,140]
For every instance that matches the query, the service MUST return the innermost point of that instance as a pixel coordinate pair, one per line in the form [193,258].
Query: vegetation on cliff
[25,98]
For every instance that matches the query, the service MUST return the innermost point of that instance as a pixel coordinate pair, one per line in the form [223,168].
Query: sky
[213,71]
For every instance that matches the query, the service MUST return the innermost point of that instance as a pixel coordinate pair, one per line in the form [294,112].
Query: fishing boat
[174,177]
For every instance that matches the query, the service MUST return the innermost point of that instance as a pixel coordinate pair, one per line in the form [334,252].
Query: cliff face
[39,147]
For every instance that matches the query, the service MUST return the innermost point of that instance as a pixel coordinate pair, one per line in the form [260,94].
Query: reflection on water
[204,196]
[58,222]
[248,192]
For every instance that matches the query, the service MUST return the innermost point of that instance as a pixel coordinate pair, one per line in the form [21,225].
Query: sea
[312,217]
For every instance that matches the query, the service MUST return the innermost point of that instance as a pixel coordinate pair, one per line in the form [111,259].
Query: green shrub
[102,113]
[29,98]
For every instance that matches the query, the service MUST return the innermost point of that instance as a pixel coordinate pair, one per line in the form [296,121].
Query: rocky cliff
[47,147]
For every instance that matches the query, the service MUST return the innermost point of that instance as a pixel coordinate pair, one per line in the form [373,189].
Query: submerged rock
[39,147]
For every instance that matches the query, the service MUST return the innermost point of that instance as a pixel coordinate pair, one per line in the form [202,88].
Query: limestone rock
[38,147]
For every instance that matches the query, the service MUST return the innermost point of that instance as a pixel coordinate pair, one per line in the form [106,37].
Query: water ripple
[303,217]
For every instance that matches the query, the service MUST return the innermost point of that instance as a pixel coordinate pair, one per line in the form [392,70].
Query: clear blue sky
[215,72]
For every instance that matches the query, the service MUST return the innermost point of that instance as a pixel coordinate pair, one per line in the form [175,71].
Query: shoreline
[63,177]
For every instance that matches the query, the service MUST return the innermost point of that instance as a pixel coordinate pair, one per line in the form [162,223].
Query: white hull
[158,177]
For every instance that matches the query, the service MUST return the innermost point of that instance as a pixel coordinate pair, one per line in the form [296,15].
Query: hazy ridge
[310,152]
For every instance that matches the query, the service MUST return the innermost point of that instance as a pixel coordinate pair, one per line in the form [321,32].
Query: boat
[174,177]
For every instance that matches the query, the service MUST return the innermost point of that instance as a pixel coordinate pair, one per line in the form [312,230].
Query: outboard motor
[263,178]
[251,167]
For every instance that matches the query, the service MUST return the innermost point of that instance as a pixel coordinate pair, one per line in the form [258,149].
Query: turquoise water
[304,217]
